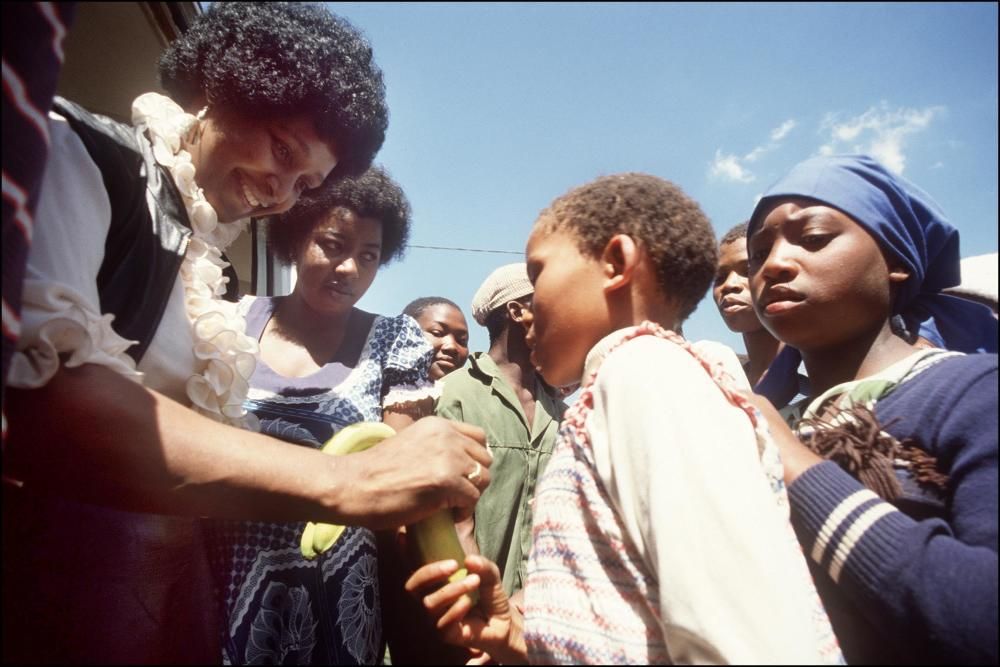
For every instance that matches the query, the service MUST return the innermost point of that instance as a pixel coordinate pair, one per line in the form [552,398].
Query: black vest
[149,231]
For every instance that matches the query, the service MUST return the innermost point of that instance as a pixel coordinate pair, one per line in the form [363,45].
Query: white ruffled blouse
[199,355]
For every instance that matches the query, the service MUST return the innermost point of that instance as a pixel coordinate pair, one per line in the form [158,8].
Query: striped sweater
[914,581]
[669,542]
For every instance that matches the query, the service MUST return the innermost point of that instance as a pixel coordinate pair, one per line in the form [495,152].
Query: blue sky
[496,109]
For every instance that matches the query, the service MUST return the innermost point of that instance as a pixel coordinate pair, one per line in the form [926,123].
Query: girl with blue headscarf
[894,493]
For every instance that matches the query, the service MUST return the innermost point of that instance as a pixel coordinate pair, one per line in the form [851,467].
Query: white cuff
[401,395]
[57,320]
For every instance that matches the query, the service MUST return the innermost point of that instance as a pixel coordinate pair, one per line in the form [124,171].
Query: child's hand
[493,627]
[796,458]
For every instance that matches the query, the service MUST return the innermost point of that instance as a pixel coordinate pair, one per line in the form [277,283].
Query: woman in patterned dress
[323,364]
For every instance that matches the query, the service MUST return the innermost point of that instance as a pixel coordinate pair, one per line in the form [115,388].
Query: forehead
[443,313]
[796,210]
[734,251]
[342,220]
[544,241]
[303,131]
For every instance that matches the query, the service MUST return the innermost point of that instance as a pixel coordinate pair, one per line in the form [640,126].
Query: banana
[357,438]
[437,539]
[320,537]
[435,536]
[306,544]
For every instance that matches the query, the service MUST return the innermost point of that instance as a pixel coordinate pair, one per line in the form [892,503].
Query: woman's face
[817,277]
[339,261]
[446,331]
[731,289]
[250,167]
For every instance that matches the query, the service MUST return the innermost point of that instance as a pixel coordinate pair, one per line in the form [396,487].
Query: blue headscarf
[906,223]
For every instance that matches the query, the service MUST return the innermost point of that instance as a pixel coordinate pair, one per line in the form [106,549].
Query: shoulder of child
[651,364]
[959,377]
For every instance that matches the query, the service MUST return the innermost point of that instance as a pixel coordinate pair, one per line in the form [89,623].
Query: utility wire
[438,247]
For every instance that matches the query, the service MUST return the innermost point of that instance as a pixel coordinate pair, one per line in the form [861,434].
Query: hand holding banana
[435,536]
[319,537]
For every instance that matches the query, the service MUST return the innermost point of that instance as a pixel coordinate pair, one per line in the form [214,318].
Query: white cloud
[731,167]
[780,132]
[755,153]
[880,131]
[728,167]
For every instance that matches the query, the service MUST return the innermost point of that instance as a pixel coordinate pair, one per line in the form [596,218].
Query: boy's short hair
[657,215]
[373,194]
[735,234]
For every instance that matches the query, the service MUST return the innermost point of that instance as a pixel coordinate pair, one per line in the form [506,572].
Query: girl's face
[731,289]
[817,277]
[445,329]
[568,312]
[339,261]
[249,167]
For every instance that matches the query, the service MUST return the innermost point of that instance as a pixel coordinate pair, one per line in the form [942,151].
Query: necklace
[225,356]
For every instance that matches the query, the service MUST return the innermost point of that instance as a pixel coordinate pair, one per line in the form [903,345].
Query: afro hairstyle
[281,59]
[373,194]
[672,228]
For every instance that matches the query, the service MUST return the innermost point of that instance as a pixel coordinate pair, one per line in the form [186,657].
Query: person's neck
[319,332]
[865,355]
[513,359]
[629,310]
[762,348]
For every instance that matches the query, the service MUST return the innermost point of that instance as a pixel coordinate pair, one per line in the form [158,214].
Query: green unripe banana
[437,539]
[357,438]
[306,543]
[435,536]
[320,537]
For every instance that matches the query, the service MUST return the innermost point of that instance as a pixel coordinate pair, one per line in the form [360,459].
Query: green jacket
[478,395]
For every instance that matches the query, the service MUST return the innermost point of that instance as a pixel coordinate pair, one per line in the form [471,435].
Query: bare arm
[97,436]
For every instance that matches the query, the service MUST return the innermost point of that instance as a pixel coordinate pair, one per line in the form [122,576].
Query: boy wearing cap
[500,392]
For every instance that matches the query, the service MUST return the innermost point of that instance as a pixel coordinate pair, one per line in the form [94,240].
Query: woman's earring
[195,135]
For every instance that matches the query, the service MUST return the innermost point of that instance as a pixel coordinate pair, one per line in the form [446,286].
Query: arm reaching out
[93,434]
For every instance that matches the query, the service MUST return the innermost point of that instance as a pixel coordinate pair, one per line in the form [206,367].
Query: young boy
[661,529]
[731,293]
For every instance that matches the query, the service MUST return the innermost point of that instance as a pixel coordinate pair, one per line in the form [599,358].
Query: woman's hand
[796,458]
[430,465]
[494,627]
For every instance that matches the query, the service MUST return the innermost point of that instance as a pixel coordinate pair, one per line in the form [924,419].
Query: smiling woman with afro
[311,62]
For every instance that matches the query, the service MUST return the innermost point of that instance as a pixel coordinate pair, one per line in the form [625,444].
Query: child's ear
[619,259]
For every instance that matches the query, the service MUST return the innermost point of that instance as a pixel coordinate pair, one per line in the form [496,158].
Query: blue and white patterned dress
[280,608]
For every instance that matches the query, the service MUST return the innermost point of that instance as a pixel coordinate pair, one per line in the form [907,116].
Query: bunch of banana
[435,536]
[319,537]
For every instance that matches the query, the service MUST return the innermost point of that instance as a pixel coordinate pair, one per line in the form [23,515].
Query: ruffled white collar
[225,355]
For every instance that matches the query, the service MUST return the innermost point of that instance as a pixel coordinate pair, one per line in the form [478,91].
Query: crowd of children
[661,530]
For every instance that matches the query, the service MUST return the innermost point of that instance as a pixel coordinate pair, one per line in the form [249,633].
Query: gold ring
[474,475]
